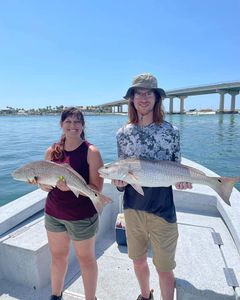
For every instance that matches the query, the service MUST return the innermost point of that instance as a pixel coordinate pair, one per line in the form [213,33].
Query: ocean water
[211,140]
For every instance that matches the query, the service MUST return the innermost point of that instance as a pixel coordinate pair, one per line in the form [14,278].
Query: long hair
[158,112]
[58,148]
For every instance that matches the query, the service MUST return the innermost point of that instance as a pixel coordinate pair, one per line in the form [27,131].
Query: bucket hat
[145,81]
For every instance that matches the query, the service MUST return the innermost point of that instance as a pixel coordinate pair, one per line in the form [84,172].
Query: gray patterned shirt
[155,142]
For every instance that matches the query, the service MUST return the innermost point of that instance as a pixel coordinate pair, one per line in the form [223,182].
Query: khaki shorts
[78,230]
[142,227]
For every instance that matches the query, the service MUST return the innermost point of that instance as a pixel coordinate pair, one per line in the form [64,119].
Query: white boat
[200,112]
[208,252]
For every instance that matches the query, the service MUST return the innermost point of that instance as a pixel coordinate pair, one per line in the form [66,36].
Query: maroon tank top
[65,205]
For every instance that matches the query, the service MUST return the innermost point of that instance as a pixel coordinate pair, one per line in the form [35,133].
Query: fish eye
[95,195]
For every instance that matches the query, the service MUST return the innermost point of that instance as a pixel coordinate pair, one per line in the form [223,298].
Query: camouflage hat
[145,81]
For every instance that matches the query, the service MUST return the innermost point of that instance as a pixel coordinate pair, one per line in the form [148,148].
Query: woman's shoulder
[94,155]
[88,146]
[91,148]
[49,149]
[48,153]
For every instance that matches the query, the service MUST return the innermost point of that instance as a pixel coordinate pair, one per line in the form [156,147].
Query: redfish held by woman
[155,173]
[48,172]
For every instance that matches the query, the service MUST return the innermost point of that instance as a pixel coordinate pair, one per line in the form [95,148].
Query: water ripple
[211,140]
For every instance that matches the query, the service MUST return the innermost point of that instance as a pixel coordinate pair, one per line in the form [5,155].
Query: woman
[68,217]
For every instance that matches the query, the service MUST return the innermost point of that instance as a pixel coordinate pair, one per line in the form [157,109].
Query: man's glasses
[139,94]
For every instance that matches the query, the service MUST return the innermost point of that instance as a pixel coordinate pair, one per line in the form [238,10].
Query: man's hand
[119,183]
[183,185]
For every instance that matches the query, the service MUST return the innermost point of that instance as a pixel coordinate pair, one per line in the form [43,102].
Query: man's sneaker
[140,297]
[54,297]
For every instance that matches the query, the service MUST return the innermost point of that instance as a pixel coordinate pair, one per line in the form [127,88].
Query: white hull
[25,260]
[200,113]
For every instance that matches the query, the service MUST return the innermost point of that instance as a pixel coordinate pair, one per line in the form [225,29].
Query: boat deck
[196,254]
[208,251]
[199,271]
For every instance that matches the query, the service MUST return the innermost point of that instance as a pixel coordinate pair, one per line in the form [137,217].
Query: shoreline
[197,112]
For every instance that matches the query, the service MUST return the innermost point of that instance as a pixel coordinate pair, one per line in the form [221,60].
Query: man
[152,216]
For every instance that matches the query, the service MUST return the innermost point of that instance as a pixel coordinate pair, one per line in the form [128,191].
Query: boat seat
[24,249]
[18,211]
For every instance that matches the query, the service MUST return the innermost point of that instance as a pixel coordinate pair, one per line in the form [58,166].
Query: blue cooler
[120,230]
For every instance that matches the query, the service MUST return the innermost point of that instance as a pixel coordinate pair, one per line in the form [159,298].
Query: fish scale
[157,173]
[49,173]
[152,173]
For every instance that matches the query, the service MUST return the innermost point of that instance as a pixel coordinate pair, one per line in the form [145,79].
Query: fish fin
[124,176]
[99,201]
[189,168]
[132,178]
[75,191]
[223,186]
[73,171]
[138,188]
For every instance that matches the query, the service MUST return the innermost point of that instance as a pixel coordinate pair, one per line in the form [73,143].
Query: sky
[83,52]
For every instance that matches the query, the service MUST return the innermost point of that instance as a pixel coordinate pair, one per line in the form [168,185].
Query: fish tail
[223,186]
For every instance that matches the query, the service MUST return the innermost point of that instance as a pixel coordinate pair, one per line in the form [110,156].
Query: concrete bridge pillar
[119,109]
[233,100]
[221,104]
[182,98]
[171,105]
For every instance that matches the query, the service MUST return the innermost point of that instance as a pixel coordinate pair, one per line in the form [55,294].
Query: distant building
[22,112]
[7,111]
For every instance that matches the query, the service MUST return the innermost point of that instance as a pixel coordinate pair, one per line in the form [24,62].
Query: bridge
[231,88]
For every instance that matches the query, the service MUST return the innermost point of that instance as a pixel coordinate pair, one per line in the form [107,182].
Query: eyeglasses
[147,94]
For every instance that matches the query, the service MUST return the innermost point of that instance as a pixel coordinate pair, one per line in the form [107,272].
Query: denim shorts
[78,230]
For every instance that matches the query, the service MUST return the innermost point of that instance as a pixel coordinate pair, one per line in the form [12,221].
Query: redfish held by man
[156,173]
[47,172]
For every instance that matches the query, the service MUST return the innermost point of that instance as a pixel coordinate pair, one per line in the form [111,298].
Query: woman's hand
[44,187]
[119,183]
[33,181]
[183,185]
[61,185]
